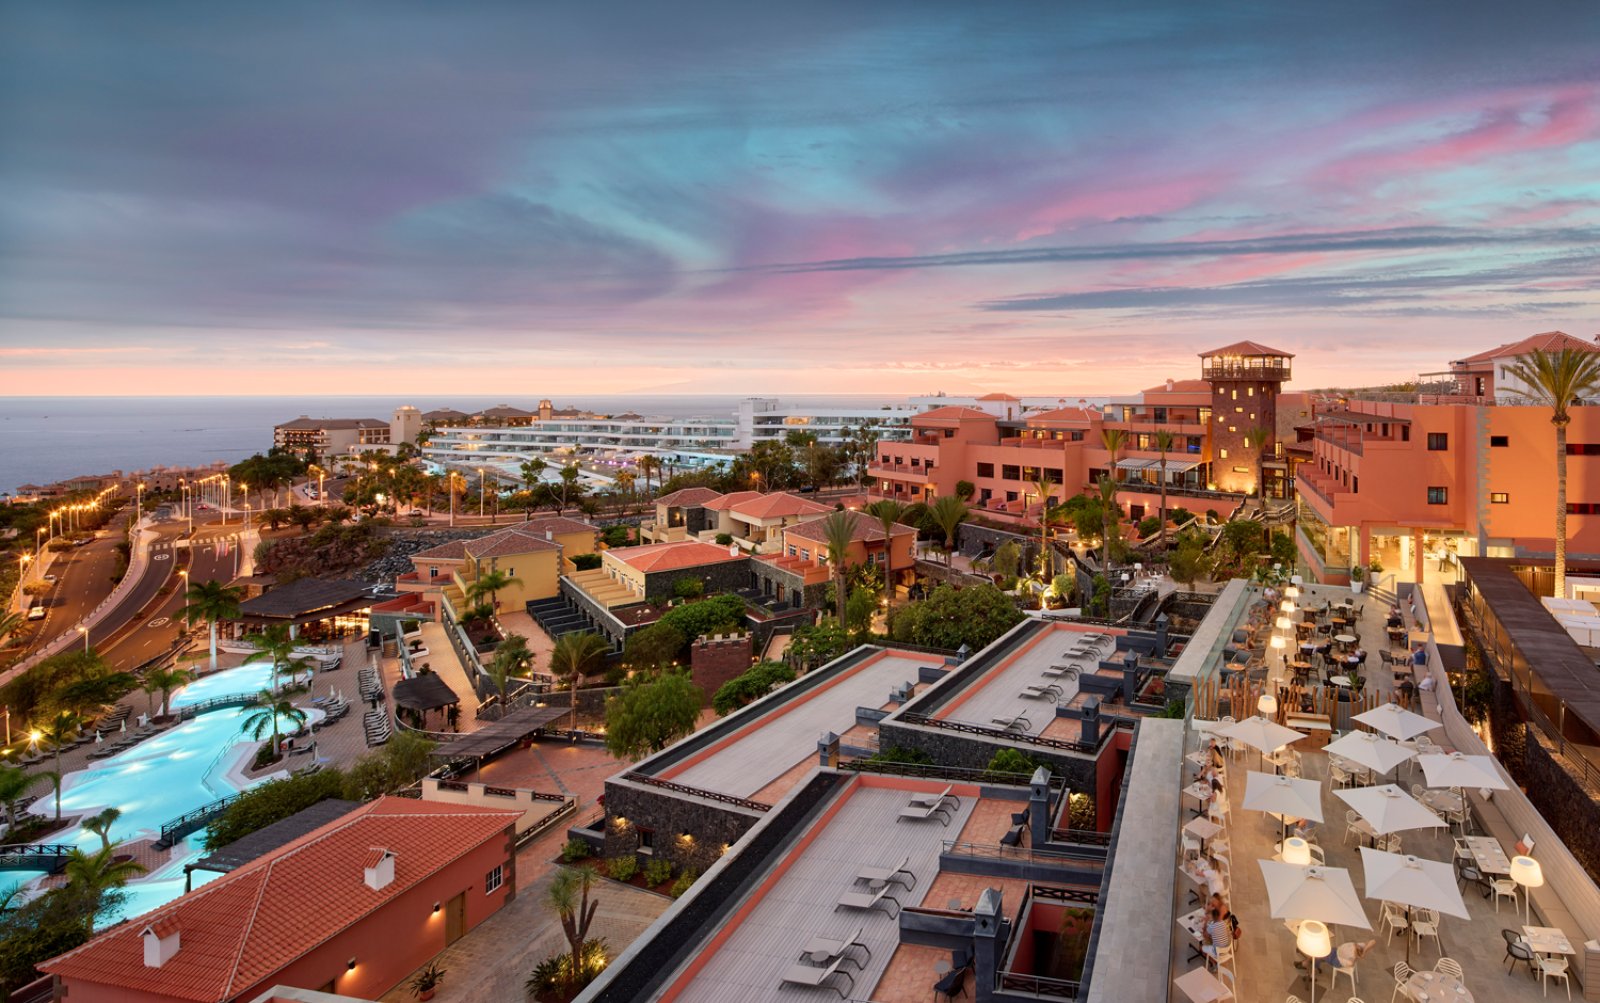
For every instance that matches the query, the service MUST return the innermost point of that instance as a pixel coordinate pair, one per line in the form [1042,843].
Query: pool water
[251,678]
[156,781]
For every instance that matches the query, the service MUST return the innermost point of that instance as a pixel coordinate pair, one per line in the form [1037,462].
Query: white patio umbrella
[1372,751]
[1459,770]
[1412,881]
[1283,796]
[1261,734]
[1396,721]
[1389,809]
[1319,893]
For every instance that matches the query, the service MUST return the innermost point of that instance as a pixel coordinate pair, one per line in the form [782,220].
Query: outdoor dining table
[1547,940]
[1194,924]
[1489,855]
[1443,801]
[1436,987]
[1202,987]
[1199,791]
[1202,828]
[1345,638]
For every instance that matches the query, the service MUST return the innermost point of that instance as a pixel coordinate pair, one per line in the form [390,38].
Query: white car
[36,612]
[50,579]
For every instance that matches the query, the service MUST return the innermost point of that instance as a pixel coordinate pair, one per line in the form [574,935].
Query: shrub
[586,562]
[574,849]
[1179,515]
[717,615]
[623,868]
[1149,525]
[899,754]
[655,647]
[751,685]
[689,588]
[723,539]
[617,536]
[1011,761]
[1061,586]
[657,871]
[965,490]
[270,802]
[553,977]
[685,880]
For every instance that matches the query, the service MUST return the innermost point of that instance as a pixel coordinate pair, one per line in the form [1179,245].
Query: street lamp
[483,486]
[85,632]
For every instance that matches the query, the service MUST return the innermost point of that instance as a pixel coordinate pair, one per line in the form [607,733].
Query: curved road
[83,581]
[143,626]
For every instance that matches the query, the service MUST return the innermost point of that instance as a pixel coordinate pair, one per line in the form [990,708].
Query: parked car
[50,579]
[36,612]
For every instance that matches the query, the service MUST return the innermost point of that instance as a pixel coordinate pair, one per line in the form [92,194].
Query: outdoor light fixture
[1526,872]
[1284,623]
[1287,605]
[1267,704]
[1312,941]
[436,907]
[1296,851]
[1293,591]
[350,965]
[1279,642]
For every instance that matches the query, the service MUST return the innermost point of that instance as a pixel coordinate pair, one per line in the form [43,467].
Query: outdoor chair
[919,812]
[1553,968]
[827,947]
[1503,888]
[939,799]
[1467,871]
[809,975]
[1351,817]
[1448,966]
[1425,923]
[1349,971]
[1013,836]
[887,874]
[867,901]
[1517,950]
[1402,974]
[1394,918]
[1230,981]
[952,984]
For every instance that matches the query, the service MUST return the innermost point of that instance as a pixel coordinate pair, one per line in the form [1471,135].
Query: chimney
[1169,384]
[160,942]
[549,534]
[379,872]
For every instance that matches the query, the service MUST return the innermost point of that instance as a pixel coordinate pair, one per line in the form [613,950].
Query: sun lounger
[868,900]
[1050,690]
[924,800]
[917,812]
[1019,724]
[826,950]
[809,975]
[1062,671]
[888,874]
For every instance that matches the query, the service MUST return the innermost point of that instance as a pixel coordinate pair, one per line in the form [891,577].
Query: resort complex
[1219,690]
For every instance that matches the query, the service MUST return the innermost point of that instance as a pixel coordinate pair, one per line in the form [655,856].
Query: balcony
[1175,426]
[915,475]
[1321,488]
[1243,369]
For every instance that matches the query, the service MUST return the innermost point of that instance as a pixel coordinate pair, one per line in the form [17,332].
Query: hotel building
[336,436]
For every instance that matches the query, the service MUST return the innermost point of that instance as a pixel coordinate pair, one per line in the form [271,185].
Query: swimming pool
[251,678]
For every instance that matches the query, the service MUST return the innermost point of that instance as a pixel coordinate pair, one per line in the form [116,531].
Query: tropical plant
[750,685]
[1555,380]
[1113,439]
[489,583]
[427,980]
[275,643]
[948,512]
[838,532]
[94,874]
[888,512]
[575,656]
[647,716]
[952,617]
[211,602]
[100,824]
[58,731]
[267,709]
[15,783]
[653,648]
[568,895]
[647,465]
[1110,511]
[10,623]
[658,871]
[164,681]
[511,658]
[1163,440]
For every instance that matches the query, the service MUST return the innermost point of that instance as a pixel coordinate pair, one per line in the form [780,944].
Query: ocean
[45,439]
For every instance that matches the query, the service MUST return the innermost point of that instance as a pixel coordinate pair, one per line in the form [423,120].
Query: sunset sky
[552,199]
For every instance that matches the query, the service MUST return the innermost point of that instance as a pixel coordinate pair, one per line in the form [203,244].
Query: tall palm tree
[60,730]
[1257,437]
[1109,512]
[211,602]
[489,583]
[275,643]
[96,873]
[575,656]
[1113,439]
[888,512]
[267,709]
[511,658]
[838,532]
[1046,492]
[568,895]
[1163,440]
[15,783]
[1554,380]
[164,681]
[100,824]
[647,465]
[54,776]
[948,513]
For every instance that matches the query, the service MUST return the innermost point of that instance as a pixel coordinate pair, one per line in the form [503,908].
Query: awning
[1135,464]
[426,692]
[1177,466]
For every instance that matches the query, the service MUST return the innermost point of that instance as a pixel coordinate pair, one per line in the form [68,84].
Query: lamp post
[85,632]
[1526,872]
[483,491]
[1312,940]
[138,502]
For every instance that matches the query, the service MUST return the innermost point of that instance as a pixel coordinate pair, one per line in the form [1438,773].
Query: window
[1583,449]
[805,554]
[792,549]
[1438,441]
[1011,496]
[1241,470]
[647,839]
[494,879]
[1222,454]
[1438,496]
[433,572]
[1077,436]
[1010,472]
[1052,475]
[1499,498]
[1499,441]
[986,470]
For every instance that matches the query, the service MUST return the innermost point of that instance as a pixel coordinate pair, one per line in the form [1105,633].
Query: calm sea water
[44,439]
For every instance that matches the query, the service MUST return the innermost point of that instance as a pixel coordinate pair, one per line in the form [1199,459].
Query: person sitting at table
[1419,655]
[1394,617]
[1215,752]
[1407,690]
[1348,953]
[1220,926]
[1426,686]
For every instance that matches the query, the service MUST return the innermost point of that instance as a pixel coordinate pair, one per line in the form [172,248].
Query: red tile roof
[863,527]
[1064,414]
[559,525]
[1248,348]
[515,540]
[777,505]
[246,925]
[955,412]
[450,550]
[729,500]
[1549,341]
[688,497]
[1181,387]
[997,397]
[653,557]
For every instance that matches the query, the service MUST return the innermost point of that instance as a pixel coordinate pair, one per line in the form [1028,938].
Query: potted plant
[1357,576]
[426,982]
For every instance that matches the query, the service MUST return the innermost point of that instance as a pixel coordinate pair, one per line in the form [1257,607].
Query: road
[83,580]
[146,623]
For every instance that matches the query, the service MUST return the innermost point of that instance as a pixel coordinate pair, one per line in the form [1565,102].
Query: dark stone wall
[714,661]
[1509,733]
[670,815]
[725,577]
[974,540]
[954,748]
[1568,803]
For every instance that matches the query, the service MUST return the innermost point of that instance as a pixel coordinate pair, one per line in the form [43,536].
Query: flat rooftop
[999,693]
[770,746]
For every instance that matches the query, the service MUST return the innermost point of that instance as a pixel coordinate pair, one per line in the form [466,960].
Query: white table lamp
[1293,591]
[1287,605]
[1297,851]
[1313,941]
[1526,872]
[1267,704]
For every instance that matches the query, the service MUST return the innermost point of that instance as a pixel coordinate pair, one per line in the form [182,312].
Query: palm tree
[211,602]
[838,532]
[568,895]
[54,776]
[1163,440]
[647,465]
[948,513]
[489,584]
[276,644]
[1046,492]
[10,623]
[1256,437]
[14,785]
[59,730]
[888,512]
[1109,512]
[575,656]
[100,824]
[1113,439]
[164,681]
[1555,380]
[96,873]
[267,709]
[510,658]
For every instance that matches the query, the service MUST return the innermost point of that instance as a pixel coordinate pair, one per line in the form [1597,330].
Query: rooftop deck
[998,695]
[770,745]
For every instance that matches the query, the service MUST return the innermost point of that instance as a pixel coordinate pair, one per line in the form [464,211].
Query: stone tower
[1245,379]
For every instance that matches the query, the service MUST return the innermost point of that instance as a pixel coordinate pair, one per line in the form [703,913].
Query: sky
[547,199]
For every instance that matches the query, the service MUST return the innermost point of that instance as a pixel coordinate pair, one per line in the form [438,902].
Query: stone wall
[973,752]
[715,660]
[973,540]
[728,576]
[1568,803]
[630,807]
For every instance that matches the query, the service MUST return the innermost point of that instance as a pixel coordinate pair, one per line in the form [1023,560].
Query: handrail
[1029,854]
[1082,837]
[1010,736]
[933,771]
[189,821]
[700,792]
